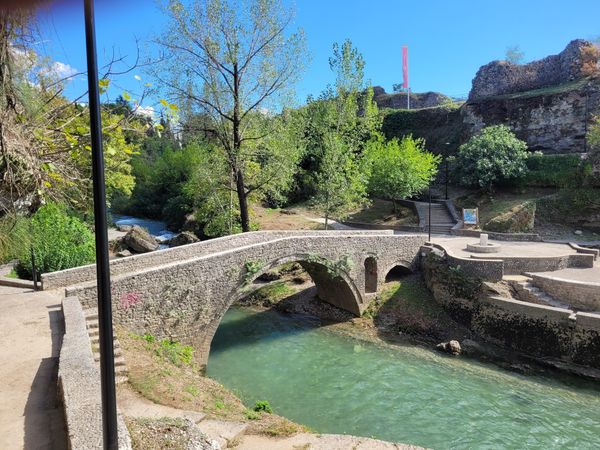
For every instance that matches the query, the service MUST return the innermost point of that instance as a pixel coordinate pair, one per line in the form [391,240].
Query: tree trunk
[243,201]
[237,143]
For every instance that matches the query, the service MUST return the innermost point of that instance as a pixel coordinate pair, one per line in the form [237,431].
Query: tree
[399,168]
[514,55]
[236,63]
[492,156]
[341,185]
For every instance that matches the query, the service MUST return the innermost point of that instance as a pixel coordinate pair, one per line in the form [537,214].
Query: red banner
[405,66]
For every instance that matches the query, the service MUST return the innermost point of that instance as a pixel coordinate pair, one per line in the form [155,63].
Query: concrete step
[226,433]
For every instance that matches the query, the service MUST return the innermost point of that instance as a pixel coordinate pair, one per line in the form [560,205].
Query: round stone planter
[483,248]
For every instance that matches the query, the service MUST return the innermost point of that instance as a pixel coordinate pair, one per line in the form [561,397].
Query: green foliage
[252,415]
[251,268]
[59,242]
[399,169]
[593,141]
[553,170]
[334,268]
[14,237]
[149,338]
[175,352]
[519,219]
[493,156]
[336,128]
[341,185]
[263,406]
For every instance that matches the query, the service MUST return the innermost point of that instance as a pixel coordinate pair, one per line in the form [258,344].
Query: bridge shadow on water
[284,320]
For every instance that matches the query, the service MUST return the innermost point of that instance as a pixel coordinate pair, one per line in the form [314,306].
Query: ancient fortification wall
[502,77]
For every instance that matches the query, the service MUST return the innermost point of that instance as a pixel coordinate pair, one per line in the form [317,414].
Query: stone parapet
[79,385]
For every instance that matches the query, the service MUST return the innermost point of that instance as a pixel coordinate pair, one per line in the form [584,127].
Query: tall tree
[235,62]
[339,124]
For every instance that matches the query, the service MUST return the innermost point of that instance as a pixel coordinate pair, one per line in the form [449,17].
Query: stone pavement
[457,246]
[31,330]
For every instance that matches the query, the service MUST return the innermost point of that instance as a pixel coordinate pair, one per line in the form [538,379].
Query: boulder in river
[183,238]
[452,347]
[139,240]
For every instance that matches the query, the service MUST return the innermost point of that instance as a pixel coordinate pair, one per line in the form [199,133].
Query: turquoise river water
[336,384]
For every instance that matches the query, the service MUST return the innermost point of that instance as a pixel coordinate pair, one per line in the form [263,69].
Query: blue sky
[448,40]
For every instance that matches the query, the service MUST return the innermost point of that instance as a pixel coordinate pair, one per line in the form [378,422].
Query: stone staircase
[527,292]
[91,321]
[441,220]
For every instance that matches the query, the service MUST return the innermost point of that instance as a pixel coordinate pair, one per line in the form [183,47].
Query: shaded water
[336,384]
[155,227]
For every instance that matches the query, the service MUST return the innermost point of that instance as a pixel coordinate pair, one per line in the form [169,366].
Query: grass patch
[491,206]
[154,375]
[271,294]
[381,212]
[407,306]
[12,274]
[550,90]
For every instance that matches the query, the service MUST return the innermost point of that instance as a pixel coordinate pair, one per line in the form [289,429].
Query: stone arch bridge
[183,292]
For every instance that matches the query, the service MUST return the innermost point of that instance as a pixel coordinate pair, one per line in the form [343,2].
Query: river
[336,384]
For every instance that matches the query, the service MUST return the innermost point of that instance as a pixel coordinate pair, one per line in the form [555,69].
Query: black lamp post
[430,211]
[107,362]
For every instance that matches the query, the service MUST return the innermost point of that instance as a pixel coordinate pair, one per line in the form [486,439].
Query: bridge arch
[333,286]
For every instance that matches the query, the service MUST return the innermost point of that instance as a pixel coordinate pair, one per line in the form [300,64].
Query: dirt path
[31,330]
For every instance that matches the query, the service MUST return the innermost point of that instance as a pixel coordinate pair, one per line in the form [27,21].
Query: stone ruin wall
[503,77]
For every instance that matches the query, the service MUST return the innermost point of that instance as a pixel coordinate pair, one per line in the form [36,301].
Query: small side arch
[397,270]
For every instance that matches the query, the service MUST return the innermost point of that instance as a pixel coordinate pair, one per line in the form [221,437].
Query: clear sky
[448,40]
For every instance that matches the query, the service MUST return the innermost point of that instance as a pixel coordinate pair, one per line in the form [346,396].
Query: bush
[59,242]
[494,156]
[263,406]
[553,170]
[399,168]
[14,237]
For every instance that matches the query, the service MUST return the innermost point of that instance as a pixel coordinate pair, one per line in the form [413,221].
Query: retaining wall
[584,295]
[538,330]
[79,385]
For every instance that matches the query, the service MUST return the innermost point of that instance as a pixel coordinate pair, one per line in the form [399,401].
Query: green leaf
[126,96]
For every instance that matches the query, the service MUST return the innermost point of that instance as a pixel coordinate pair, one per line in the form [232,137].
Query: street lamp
[107,360]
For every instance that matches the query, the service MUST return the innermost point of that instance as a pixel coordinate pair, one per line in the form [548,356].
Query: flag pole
[107,359]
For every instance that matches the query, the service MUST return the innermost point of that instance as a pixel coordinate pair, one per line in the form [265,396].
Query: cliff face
[578,60]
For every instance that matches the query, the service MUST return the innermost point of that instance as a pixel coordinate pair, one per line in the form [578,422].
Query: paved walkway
[31,330]
[457,246]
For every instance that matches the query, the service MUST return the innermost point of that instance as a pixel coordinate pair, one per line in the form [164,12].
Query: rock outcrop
[183,238]
[398,100]
[139,240]
[553,120]
[579,59]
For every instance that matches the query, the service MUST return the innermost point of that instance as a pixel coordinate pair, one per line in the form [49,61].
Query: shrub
[263,406]
[553,170]
[14,237]
[492,157]
[59,242]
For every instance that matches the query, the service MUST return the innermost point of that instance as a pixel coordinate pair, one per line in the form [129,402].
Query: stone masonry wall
[118,266]
[186,300]
[79,385]
[502,77]
[537,330]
